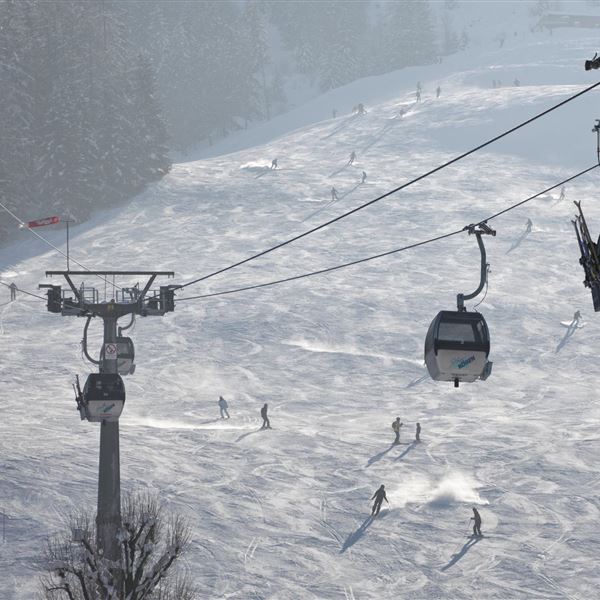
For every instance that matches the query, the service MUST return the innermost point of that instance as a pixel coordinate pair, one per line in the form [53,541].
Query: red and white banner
[42,222]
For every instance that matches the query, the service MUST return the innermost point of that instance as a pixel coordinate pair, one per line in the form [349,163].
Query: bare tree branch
[150,546]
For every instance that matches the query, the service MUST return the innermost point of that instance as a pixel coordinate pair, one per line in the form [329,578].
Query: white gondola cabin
[457,347]
[103,397]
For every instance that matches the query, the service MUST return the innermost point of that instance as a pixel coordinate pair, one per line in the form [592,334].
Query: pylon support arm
[155,273]
[84,342]
[484,229]
[73,288]
[147,287]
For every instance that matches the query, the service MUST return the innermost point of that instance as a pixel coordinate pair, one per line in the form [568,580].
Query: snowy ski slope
[282,514]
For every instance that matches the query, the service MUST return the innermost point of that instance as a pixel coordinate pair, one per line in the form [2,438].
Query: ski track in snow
[282,514]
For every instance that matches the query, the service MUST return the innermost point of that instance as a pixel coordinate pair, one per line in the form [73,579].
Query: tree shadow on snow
[356,535]
[379,456]
[456,557]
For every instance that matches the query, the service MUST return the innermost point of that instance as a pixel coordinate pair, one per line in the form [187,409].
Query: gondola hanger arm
[478,230]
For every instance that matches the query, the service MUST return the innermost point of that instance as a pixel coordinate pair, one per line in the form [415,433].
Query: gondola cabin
[125,356]
[103,397]
[457,347]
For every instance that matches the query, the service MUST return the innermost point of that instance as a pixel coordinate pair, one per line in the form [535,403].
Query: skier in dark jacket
[396,427]
[352,157]
[223,407]
[364,177]
[334,195]
[418,434]
[263,413]
[274,163]
[379,496]
[477,525]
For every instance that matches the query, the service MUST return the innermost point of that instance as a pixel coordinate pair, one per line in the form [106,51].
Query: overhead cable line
[390,252]
[41,237]
[23,291]
[397,189]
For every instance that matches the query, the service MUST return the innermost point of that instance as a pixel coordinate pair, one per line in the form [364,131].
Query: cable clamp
[481,228]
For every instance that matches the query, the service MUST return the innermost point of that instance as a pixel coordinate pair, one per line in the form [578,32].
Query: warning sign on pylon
[110,351]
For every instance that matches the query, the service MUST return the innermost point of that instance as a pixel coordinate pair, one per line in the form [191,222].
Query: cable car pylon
[457,344]
[103,396]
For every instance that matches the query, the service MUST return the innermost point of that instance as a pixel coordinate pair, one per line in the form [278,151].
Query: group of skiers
[498,83]
[379,496]
[351,159]
[359,109]
[438,91]
[223,406]
[397,424]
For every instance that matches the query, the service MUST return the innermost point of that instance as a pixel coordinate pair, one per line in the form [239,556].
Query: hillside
[282,514]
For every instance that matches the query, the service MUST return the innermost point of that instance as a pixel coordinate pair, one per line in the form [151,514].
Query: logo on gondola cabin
[461,363]
[108,408]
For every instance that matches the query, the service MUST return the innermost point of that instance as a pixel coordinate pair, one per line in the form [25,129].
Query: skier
[438,91]
[477,525]
[379,496]
[360,109]
[364,177]
[334,195]
[418,95]
[576,317]
[562,193]
[13,291]
[396,427]
[418,434]
[352,157]
[529,225]
[274,163]
[223,407]
[263,413]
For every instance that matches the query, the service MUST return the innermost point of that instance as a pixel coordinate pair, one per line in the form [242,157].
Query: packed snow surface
[284,513]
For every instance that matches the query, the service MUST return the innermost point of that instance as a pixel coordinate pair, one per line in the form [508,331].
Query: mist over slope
[282,514]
